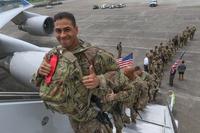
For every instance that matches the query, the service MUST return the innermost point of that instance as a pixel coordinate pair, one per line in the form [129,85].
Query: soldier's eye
[66,29]
[58,30]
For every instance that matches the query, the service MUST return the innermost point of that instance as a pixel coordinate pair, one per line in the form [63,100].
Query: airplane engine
[38,25]
[24,64]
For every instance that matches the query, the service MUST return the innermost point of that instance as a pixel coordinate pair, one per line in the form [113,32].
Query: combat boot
[133,117]
[118,130]
[126,119]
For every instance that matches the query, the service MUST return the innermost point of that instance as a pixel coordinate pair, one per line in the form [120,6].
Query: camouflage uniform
[169,52]
[156,80]
[107,69]
[150,61]
[181,40]
[142,95]
[141,98]
[160,68]
[117,118]
[150,83]
[172,49]
[193,29]
[84,119]
[189,31]
[160,47]
[186,34]
[175,41]
[154,66]
[156,50]
[166,56]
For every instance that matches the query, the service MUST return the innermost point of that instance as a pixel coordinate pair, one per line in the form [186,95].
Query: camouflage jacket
[106,68]
[66,94]
[148,78]
[107,71]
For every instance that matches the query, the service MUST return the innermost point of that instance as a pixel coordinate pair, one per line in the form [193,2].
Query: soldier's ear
[77,30]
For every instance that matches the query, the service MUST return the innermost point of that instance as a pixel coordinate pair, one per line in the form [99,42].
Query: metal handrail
[2,94]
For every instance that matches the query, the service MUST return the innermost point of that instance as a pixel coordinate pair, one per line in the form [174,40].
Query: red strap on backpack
[53,62]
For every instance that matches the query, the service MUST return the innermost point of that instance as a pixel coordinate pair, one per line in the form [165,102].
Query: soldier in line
[159,67]
[172,49]
[181,41]
[156,50]
[149,80]
[188,32]
[185,35]
[150,61]
[154,65]
[98,67]
[169,52]
[156,81]
[166,56]
[160,47]
[193,29]
[175,41]
[141,90]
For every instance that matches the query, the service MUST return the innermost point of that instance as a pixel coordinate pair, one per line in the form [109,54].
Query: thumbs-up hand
[44,68]
[91,81]
[109,97]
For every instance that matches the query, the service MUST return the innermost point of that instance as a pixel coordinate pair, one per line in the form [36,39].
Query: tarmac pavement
[139,28]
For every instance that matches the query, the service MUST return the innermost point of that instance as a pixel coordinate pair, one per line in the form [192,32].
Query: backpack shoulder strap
[90,54]
[70,56]
[88,50]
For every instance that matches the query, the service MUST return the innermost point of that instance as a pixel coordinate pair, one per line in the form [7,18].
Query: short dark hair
[66,15]
[137,68]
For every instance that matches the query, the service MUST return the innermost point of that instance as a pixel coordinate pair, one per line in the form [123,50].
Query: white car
[153,3]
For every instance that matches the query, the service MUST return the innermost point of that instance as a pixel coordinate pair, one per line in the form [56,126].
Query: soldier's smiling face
[66,33]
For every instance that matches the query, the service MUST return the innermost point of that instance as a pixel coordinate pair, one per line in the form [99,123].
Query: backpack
[65,93]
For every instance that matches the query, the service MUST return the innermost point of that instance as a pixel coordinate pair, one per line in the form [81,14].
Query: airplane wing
[15,53]
[10,14]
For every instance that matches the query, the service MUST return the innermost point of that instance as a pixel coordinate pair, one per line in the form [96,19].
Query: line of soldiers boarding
[162,54]
[148,82]
[66,94]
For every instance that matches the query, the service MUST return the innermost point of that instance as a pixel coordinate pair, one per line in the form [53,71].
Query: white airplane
[15,50]
[21,59]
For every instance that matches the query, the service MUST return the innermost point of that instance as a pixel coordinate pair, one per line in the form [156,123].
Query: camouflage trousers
[92,126]
[181,44]
[153,93]
[184,42]
[191,36]
[142,100]
[118,122]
